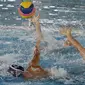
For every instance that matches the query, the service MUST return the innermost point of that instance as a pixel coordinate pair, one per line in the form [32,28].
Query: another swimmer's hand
[65,31]
[35,19]
[67,43]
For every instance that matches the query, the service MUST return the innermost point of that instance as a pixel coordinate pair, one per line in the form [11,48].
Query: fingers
[65,31]
[38,16]
[35,18]
[62,30]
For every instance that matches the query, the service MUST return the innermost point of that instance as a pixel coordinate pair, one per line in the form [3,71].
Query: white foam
[14,27]
[9,58]
[11,0]
[53,14]
[52,42]
[58,73]
[46,21]
[5,8]
[18,18]
[5,61]
[56,10]
[1,5]
[5,42]
[9,5]
[63,10]
[46,7]
[52,6]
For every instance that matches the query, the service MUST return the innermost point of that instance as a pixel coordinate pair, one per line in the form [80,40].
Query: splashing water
[58,73]
[17,41]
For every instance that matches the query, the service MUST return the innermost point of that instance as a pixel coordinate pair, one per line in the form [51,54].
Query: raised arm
[36,22]
[34,70]
[74,42]
[36,57]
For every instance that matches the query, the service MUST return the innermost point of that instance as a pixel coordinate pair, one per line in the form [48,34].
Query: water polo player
[34,70]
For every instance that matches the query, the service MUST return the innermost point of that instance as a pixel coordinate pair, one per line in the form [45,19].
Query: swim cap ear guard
[15,70]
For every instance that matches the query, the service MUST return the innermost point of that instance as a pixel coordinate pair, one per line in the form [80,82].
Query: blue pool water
[17,41]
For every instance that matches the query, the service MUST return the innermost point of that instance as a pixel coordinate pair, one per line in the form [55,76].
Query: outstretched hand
[65,31]
[35,19]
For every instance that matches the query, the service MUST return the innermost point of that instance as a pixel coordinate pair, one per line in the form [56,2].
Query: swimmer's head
[15,70]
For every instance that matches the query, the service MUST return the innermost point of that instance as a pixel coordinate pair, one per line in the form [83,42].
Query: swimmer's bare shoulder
[38,73]
[34,70]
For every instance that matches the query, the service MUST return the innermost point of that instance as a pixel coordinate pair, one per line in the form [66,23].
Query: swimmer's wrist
[69,37]
[37,22]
